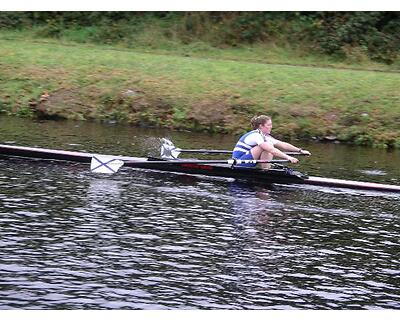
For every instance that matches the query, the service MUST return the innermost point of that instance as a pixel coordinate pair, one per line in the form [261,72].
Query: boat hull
[255,175]
[350,184]
[285,176]
[51,154]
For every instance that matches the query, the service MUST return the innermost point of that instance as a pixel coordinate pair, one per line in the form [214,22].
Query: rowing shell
[281,176]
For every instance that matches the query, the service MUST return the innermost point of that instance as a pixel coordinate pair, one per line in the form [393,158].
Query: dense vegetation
[208,71]
[354,35]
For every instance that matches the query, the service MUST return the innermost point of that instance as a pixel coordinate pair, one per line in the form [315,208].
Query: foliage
[377,33]
[354,35]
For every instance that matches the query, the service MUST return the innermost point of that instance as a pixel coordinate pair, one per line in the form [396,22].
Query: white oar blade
[168,150]
[105,164]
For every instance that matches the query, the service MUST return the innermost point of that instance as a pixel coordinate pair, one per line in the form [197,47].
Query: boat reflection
[103,190]
[254,204]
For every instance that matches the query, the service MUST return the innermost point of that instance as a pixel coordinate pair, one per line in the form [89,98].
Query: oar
[109,164]
[226,151]
[169,151]
[199,161]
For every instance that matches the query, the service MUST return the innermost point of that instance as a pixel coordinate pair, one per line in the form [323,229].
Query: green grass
[215,90]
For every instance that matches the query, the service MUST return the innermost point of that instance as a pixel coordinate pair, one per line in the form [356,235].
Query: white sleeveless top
[252,139]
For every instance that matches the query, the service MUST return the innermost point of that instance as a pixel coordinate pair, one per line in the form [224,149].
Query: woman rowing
[259,145]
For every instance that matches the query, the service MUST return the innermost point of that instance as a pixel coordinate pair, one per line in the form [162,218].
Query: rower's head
[264,123]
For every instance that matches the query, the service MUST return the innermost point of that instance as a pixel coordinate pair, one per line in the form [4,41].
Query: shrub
[375,34]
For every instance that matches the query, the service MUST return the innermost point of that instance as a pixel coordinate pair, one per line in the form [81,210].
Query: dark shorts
[244,156]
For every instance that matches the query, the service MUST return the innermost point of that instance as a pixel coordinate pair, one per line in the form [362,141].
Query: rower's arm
[289,147]
[276,152]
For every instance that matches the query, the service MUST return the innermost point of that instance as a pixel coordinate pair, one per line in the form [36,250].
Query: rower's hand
[306,152]
[293,159]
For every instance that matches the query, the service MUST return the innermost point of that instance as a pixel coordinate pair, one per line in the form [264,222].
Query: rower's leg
[266,156]
[256,152]
[260,154]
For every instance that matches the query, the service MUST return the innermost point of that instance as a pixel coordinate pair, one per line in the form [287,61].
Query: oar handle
[291,153]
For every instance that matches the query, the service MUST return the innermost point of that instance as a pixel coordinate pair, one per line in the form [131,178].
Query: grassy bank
[199,91]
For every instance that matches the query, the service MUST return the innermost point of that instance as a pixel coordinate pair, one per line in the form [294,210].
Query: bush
[13,20]
[375,34]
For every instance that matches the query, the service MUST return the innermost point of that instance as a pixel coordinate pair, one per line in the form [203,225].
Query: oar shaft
[290,153]
[204,151]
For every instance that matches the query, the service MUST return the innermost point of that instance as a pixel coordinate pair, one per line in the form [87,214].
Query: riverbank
[215,92]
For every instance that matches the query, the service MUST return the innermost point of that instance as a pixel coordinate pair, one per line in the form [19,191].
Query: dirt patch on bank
[138,107]
[222,115]
[61,104]
[92,103]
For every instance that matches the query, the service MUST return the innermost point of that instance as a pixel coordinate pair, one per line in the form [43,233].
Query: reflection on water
[144,239]
[103,190]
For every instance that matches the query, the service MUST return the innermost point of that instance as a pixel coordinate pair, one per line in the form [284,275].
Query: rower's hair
[257,120]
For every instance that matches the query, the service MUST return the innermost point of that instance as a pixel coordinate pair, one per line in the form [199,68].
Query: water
[155,240]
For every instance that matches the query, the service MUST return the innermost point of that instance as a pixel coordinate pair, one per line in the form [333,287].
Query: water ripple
[151,240]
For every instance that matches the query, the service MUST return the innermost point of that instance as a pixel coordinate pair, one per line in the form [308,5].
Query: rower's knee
[256,152]
[266,155]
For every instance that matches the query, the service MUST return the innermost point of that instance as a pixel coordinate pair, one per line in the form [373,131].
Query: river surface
[142,239]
